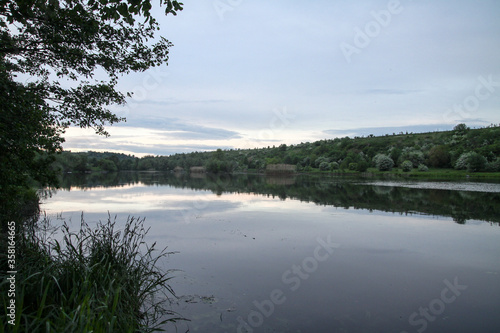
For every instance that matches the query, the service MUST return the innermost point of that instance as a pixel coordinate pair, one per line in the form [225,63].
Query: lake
[311,254]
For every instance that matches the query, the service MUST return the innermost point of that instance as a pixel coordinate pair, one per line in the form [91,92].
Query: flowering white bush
[383,162]
[462,161]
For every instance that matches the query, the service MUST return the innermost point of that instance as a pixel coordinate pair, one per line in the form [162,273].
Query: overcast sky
[254,73]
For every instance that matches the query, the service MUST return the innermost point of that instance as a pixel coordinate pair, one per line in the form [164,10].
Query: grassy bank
[438,173]
[98,279]
[432,173]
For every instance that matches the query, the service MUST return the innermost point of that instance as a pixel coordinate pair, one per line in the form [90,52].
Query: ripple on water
[452,186]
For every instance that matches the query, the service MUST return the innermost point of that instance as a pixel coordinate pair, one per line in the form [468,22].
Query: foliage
[461,129]
[471,161]
[436,149]
[324,166]
[407,166]
[50,52]
[100,280]
[383,162]
[25,130]
[493,166]
[353,166]
[423,168]
[462,161]
[320,160]
[362,166]
[413,155]
[476,162]
[439,156]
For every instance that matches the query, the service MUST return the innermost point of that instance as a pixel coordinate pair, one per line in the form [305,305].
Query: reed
[101,279]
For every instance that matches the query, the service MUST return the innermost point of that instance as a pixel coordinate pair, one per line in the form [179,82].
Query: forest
[463,148]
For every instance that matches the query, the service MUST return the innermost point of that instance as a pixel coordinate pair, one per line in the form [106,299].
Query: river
[311,254]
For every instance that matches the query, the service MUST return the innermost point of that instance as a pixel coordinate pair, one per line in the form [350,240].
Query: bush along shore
[462,149]
[100,279]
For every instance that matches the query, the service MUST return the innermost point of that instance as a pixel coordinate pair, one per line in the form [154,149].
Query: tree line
[462,148]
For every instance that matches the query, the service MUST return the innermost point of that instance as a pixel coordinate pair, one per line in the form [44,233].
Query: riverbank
[100,279]
[433,173]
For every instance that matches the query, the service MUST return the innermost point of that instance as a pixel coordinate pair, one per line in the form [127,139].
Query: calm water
[309,254]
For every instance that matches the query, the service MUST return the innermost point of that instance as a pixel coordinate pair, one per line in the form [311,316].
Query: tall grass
[99,279]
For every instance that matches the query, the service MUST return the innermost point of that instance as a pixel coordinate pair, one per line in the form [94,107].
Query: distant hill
[461,148]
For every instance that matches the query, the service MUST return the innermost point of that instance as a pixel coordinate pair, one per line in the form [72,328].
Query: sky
[255,73]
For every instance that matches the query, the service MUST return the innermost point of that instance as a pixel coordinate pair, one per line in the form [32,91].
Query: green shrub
[324,166]
[439,156]
[476,162]
[362,166]
[423,168]
[320,160]
[407,166]
[493,166]
[471,161]
[383,162]
[413,155]
[463,161]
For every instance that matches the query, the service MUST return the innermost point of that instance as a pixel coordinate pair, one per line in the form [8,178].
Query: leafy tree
[362,166]
[324,166]
[395,154]
[471,161]
[345,163]
[353,166]
[407,166]
[59,46]
[423,168]
[439,156]
[413,155]
[383,162]
[127,164]
[476,162]
[463,161]
[80,163]
[461,129]
[493,166]
[319,160]
[108,165]
[25,129]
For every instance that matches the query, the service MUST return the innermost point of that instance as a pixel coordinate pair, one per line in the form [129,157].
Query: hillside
[475,150]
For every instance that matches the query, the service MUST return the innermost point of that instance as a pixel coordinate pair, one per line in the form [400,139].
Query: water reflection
[460,201]
[246,240]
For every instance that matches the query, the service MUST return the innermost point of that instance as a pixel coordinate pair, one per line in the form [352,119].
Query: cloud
[380,91]
[378,131]
[174,128]
[226,76]
[139,149]
[142,141]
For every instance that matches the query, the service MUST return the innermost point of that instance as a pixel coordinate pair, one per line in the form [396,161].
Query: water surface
[309,254]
